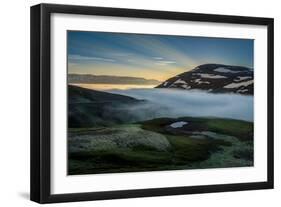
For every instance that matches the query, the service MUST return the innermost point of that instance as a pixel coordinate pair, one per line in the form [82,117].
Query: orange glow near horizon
[146,73]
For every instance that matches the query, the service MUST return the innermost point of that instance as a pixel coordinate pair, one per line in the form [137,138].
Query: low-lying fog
[178,103]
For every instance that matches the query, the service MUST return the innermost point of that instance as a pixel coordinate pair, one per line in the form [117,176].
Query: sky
[156,57]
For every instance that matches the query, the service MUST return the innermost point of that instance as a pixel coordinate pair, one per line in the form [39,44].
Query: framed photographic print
[133,103]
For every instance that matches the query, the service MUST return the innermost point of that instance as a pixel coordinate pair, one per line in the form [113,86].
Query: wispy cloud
[165,62]
[158,58]
[160,49]
[120,54]
[79,57]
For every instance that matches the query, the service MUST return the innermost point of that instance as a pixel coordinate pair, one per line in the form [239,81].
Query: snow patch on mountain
[225,70]
[206,75]
[199,81]
[178,124]
[237,85]
[180,81]
[239,78]
[242,90]
[186,87]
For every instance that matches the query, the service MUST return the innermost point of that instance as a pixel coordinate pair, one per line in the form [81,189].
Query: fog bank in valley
[179,103]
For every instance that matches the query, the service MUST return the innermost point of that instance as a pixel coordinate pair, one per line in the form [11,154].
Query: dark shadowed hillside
[89,108]
[82,95]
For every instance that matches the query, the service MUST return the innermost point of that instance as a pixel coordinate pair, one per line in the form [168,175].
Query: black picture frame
[41,96]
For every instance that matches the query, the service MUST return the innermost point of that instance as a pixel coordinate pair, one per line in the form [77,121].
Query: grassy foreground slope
[155,145]
[243,130]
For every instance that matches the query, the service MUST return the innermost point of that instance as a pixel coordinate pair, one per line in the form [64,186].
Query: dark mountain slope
[90,108]
[215,78]
[77,94]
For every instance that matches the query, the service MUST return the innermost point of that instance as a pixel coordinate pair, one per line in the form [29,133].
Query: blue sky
[151,56]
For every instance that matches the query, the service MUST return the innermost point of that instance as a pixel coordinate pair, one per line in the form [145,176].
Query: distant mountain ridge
[106,79]
[214,78]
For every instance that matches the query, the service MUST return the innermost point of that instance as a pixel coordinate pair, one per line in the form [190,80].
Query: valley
[114,133]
